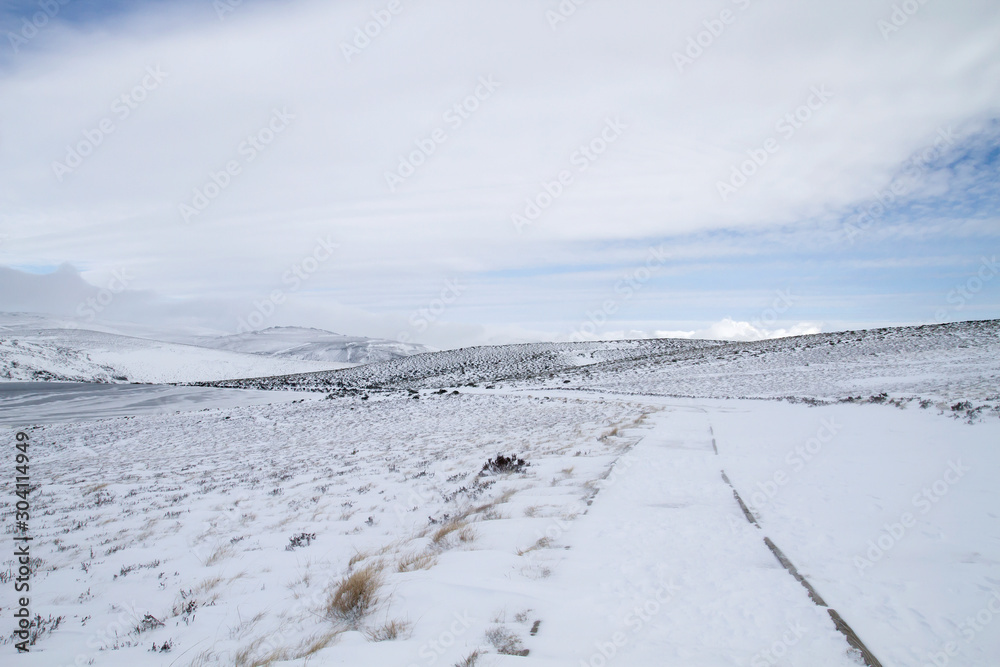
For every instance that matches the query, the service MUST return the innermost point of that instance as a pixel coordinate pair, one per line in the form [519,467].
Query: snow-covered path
[664,569]
[645,558]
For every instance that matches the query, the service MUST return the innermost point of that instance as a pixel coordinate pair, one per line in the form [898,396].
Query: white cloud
[325,173]
[728,329]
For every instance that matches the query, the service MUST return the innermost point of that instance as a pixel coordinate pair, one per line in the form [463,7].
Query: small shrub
[163,648]
[148,622]
[505,641]
[504,464]
[186,606]
[38,627]
[300,540]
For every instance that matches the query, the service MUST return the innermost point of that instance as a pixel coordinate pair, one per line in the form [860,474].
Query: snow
[36,347]
[621,542]
[91,356]
[941,363]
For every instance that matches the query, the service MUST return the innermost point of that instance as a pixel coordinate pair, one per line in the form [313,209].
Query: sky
[461,173]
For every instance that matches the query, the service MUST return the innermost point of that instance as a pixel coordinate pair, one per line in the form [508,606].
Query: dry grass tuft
[458,527]
[248,657]
[389,631]
[356,595]
[210,583]
[222,552]
[469,660]
[316,644]
[542,543]
[447,529]
[415,561]
[357,558]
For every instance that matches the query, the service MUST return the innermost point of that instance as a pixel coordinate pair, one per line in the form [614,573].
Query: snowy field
[619,543]
[372,520]
[58,402]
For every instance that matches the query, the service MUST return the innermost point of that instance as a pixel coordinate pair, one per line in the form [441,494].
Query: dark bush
[300,540]
[504,464]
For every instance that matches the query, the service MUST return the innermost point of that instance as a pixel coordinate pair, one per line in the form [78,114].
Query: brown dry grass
[415,561]
[356,595]
[388,631]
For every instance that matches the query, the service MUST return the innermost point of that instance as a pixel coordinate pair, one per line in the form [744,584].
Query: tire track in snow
[841,625]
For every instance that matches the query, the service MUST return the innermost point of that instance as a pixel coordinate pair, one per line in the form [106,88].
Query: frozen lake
[26,403]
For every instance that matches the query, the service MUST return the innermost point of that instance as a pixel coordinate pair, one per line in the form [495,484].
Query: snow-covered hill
[39,347]
[475,365]
[946,362]
[959,361]
[312,345]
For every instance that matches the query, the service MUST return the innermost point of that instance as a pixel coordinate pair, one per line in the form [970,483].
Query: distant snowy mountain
[37,347]
[313,345]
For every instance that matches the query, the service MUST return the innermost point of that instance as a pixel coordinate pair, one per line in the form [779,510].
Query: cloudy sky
[458,172]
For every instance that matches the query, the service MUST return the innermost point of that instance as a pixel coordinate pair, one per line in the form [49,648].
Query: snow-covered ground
[227,533]
[620,536]
[23,403]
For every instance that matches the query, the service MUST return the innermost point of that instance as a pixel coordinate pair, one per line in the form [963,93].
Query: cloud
[729,329]
[176,108]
